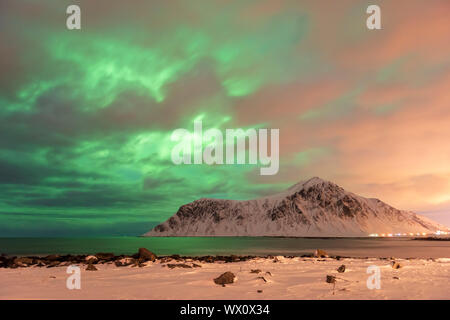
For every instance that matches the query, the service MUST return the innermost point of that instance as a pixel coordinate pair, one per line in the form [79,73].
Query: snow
[293,278]
[311,208]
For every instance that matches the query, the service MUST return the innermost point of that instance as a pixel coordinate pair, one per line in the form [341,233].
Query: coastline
[223,246]
[269,277]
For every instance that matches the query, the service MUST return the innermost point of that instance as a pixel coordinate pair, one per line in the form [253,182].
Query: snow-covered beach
[272,278]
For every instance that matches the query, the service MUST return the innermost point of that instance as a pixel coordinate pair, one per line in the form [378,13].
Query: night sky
[86,115]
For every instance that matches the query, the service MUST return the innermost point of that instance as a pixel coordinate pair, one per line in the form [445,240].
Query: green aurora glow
[86,116]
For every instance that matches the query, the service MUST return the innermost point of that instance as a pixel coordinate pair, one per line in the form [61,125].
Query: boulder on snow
[331,279]
[341,269]
[146,255]
[225,278]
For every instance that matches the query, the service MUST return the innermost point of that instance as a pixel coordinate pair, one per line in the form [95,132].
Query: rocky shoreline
[141,257]
[431,239]
[144,275]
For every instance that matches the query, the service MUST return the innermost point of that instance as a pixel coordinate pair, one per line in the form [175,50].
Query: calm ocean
[355,247]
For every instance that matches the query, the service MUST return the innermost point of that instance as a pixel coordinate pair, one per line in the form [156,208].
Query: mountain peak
[305,184]
[314,207]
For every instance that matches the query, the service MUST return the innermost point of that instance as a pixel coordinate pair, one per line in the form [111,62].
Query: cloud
[86,117]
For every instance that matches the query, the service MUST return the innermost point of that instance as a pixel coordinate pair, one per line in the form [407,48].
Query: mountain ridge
[314,207]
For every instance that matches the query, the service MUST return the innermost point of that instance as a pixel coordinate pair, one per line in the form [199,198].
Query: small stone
[341,269]
[196,265]
[279,259]
[225,278]
[396,265]
[331,279]
[91,267]
[259,291]
[179,265]
[255,271]
[396,278]
[124,262]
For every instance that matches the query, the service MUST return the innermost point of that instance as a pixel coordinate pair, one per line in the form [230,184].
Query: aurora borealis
[86,115]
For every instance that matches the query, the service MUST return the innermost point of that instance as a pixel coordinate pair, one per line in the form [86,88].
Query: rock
[396,278]
[91,267]
[196,265]
[53,264]
[279,259]
[23,261]
[268,273]
[176,257]
[124,262]
[234,258]
[40,263]
[331,279]
[105,256]
[91,259]
[259,291]
[341,269]
[225,278]
[146,255]
[178,265]
[52,257]
[319,253]
[255,271]
[396,265]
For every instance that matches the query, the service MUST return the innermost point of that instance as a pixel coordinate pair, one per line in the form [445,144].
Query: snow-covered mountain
[311,208]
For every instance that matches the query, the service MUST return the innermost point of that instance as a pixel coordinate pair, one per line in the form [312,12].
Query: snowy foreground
[289,278]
